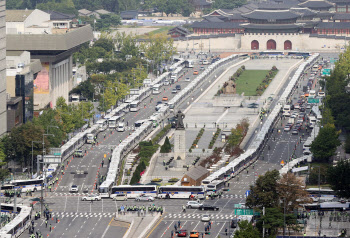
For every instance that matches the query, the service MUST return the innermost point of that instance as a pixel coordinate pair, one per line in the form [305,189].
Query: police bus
[181,191]
[133,191]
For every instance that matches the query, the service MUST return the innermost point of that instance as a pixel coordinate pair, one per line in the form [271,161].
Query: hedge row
[198,137]
[213,139]
[266,81]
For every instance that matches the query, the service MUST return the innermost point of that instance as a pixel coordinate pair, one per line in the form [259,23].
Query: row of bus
[258,143]
[145,126]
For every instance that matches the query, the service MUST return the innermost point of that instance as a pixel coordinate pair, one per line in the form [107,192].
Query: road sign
[326,72]
[237,205]
[247,193]
[313,100]
[246,212]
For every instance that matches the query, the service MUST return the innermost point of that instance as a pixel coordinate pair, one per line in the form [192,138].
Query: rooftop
[316,4]
[17,15]
[102,11]
[341,16]
[49,42]
[333,25]
[210,25]
[59,15]
[84,11]
[271,15]
[270,26]
[197,172]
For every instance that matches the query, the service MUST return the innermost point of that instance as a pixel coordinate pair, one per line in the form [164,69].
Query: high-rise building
[3,117]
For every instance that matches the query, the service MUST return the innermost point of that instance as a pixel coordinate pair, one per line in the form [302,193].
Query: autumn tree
[264,193]
[237,135]
[291,192]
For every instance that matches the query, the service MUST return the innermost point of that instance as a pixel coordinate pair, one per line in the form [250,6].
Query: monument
[180,138]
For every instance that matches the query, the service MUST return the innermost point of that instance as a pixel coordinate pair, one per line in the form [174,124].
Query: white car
[297,106]
[74,189]
[121,127]
[91,197]
[205,217]
[187,79]
[143,197]
[193,204]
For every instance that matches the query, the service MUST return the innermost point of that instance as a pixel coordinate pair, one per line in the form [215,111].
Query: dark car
[182,233]
[159,102]
[78,153]
[234,223]
[178,87]
[302,109]
[208,207]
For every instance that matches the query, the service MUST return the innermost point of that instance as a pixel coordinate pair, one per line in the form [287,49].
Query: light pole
[44,176]
[33,156]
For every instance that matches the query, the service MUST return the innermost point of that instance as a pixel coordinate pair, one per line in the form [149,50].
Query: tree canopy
[246,230]
[339,178]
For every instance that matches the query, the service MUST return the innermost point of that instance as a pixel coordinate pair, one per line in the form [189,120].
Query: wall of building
[37,18]
[299,42]
[3,117]
[216,44]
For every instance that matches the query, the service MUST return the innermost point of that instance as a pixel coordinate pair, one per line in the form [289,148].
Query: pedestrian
[175,227]
[172,233]
[226,231]
[46,223]
[50,228]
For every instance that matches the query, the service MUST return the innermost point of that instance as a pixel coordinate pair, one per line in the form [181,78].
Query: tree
[105,43]
[246,230]
[339,178]
[166,147]
[325,144]
[85,89]
[291,192]
[127,45]
[237,134]
[264,193]
[347,144]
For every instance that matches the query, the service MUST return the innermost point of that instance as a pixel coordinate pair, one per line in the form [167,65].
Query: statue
[229,87]
[180,121]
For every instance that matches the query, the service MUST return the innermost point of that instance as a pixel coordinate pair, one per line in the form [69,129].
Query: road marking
[167,228]
[155,227]
[78,204]
[220,230]
[104,233]
[65,204]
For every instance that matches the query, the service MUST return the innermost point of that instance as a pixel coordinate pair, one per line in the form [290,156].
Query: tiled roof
[341,16]
[271,14]
[102,11]
[179,29]
[270,26]
[333,25]
[84,11]
[213,19]
[197,172]
[304,12]
[129,14]
[272,6]
[316,4]
[59,15]
[17,15]
[210,25]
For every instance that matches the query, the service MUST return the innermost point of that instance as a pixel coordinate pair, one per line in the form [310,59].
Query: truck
[291,120]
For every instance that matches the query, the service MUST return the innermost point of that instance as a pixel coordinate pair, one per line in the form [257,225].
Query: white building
[3,116]
[27,22]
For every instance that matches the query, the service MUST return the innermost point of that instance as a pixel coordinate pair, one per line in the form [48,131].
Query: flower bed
[198,137]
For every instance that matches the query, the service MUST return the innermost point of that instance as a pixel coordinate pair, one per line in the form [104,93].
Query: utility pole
[263,223]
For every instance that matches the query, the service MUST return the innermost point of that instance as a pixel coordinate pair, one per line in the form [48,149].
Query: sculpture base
[180,144]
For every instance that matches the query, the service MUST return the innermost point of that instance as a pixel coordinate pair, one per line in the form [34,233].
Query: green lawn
[163,29]
[249,80]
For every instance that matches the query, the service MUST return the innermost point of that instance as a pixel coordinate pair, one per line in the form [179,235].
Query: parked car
[193,204]
[74,189]
[120,197]
[182,233]
[209,207]
[91,197]
[144,197]
[205,217]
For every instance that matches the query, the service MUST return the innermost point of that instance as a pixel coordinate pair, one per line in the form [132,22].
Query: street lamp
[44,178]
[33,156]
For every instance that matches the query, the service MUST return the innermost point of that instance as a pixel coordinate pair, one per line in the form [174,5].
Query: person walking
[46,223]
[50,227]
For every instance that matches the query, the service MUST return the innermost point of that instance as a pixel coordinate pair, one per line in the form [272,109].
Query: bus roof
[135,102]
[156,85]
[101,121]
[114,118]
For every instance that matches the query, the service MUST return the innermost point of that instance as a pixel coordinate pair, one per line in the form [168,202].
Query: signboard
[237,205]
[247,193]
[300,169]
[246,212]
[326,72]
[313,100]
[52,159]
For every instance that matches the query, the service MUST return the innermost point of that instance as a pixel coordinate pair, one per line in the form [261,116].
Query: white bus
[105,188]
[181,191]
[315,68]
[135,106]
[113,122]
[286,110]
[90,138]
[132,191]
[156,89]
[322,193]
[103,124]
[312,94]
[215,186]
[27,185]
[189,64]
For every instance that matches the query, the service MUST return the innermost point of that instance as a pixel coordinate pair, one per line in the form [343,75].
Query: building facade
[3,117]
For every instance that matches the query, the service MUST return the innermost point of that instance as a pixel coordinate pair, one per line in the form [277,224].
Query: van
[166,82]
[121,127]
[120,197]
[173,79]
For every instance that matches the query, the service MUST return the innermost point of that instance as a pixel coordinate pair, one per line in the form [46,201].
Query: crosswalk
[82,214]
[198,216]
[69,194]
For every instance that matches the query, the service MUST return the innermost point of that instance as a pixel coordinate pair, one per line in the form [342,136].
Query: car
[295,132]
[91,197]
[182,233]
[195,72]
[302,109]
[234,223]
[297,106]
[201,68]
[193,204]
[205,218]
[165,98]
[120,197]
[306,151]
[287,128]
[308,106]
[205,62]
[178,87]
[144,197]
[208,207]
[174,90]
[194,234]
[78,153]
[187,79]
[159,102]
[294,115]
[74,189]
[158,107]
